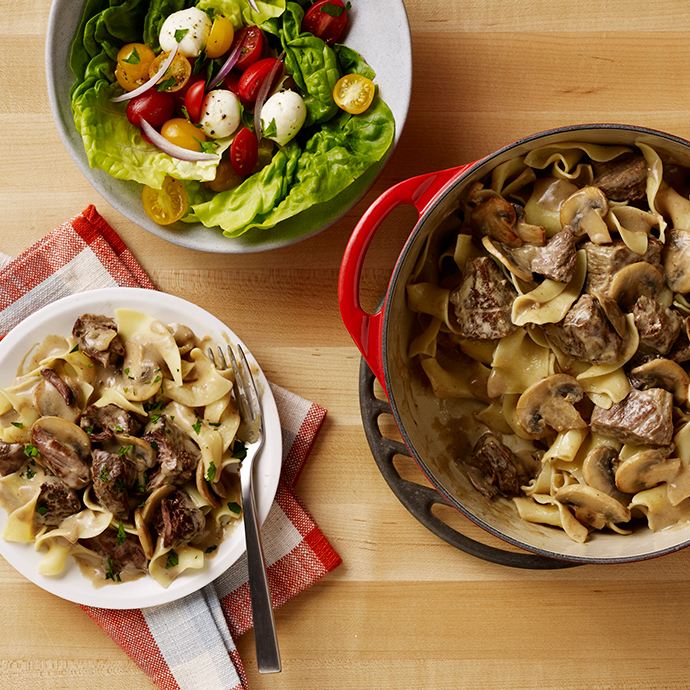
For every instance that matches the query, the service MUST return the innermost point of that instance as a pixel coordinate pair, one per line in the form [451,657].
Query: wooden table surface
[404,609]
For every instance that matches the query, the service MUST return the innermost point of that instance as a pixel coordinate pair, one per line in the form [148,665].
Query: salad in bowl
[232,114]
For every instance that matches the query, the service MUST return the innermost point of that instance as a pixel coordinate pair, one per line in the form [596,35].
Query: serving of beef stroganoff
[119,446]
[552,312]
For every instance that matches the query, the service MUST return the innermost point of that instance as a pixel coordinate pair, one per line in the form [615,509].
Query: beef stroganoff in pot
[120,446]
[552,310]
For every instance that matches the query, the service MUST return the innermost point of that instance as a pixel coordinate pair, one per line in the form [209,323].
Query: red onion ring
[151,82]
[263,92]
[160,142]
[229,64]
[252,4]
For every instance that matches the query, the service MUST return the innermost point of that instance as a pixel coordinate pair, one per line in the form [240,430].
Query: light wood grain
[404,609]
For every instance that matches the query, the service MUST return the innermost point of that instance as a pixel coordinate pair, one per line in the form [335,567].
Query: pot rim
[395,276]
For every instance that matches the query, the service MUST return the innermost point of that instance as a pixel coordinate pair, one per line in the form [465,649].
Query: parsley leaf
[31,451]
[211,472]
[180,34]
[197,426]
[42,510]
[239,450]
[19,425]
[133,58]
[234,507]
[121,534]
[110,575]
[173,559]
[271,130]
[211,549]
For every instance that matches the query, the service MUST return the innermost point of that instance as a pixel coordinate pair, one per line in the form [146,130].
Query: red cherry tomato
[320,20]
[253,45]
[156,107]
[194,98]
[180,95]
[231,83]
[255,75]
[244,152]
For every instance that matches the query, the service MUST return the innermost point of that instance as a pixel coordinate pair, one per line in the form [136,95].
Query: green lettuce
[331,151]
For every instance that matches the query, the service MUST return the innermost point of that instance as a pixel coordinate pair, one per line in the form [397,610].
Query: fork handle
[265,639]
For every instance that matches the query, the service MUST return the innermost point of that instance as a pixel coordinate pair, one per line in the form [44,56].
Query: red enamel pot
[383,338]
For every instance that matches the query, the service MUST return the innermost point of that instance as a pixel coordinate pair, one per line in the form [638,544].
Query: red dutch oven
[383,339]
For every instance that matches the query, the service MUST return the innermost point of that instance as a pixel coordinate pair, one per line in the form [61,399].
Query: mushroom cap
[584,212]
[205,488]
[496,218]
[598,471]
[591,506]
[664,373]
[630,282]
[645,470]
[675,257]
[516,261]
[550,403]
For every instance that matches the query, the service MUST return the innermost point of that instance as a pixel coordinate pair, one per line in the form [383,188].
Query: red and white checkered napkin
[189,643]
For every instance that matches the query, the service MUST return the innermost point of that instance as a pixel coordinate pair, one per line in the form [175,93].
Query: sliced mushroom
[598,471]
[495,217]
[185,338]
[675,258]
[64,449]
[55,396]
[204,487]
[550,403]
[614,314]
[141,377]
[143,516]
[517,261]
[633,281]
[645,470]
[584,213]
[531,234]
[591,506]
[662,373]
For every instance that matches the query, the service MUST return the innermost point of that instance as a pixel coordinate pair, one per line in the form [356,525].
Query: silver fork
[249,405]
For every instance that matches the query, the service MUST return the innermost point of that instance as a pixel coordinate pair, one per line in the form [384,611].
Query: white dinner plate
[58,318]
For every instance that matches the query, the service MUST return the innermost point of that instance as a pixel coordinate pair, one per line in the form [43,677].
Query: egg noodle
[128,461]
[571,362]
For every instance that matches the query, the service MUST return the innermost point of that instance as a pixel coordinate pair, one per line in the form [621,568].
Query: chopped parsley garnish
[104,476]
[88,429]
[121,534]
[31,451]
[173,559]
[133,58]
[74,349]
[42,510]
[154,445]
[239,450]
[19,425]
[211,472]
[124,449]
[119,429]
[120,484]
[216,424]
[211,549]
[180,34]
[110,575]
[271,130]
[234,507]
[197,426]
[156,380]
[30,474]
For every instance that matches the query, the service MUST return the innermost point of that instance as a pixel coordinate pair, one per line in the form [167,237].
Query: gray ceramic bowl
[389,53]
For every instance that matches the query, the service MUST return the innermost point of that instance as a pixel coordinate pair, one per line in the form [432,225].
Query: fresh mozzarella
[287,110]
[197,25]
[220,114]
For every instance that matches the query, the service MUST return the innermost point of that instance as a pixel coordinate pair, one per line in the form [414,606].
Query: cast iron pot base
[419,500]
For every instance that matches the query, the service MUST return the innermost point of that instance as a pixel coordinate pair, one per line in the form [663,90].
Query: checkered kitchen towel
[187,644]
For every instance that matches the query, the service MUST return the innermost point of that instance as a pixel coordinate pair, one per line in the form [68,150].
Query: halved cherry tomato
[176,77]
[226,178]
[194,98]
[133,63]
[252,78]
[221,37]
[354,93]
[253,44]
[166,205]
[244,152]
[326,19]
[183,133]
[232,83]
[156,107]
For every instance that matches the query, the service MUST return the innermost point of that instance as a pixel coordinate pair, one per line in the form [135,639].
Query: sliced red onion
[263,92]
[229,64]
[252,4]
[158,140]
[151,82]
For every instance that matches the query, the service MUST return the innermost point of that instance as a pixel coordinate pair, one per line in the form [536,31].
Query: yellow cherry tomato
[226,178]
[354,93]
[177,75]
[221,37]
[183,133]
[166,205]
[134,61]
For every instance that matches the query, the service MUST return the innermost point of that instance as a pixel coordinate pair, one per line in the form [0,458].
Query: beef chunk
[179,520]
[483,301]
[12,457]
[605,260]
[622,179]
[586,334]
[112,476]
[62,388]
[98,338]
[680,352]
[657,325]
[126,556]
[493,468]
[101,423]
[56,501]
[61,460]
[557,259]
[177,455]
[643,417]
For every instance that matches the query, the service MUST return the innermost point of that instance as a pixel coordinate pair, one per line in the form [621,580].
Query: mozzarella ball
[220,114]
[289,112]
[198,26]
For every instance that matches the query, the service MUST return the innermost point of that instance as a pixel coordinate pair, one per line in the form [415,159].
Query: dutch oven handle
[367,329]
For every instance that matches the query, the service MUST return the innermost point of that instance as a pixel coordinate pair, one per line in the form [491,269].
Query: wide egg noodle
[543,207]
[658,509]
[203,385]
[634,225]
[655,180]
[112,395]
[460,378]
[425,343]
[163,568]
[566,446]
